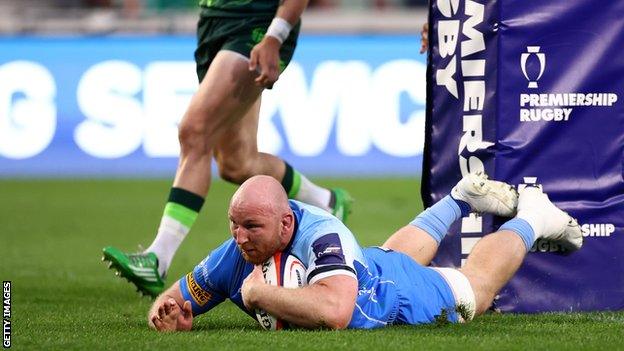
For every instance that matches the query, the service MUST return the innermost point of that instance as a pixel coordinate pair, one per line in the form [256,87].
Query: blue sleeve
[330,254]
[206,286]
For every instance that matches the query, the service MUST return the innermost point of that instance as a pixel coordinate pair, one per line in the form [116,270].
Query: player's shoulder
[309,215]
[314,223]
[225,254]
[219,269]
[311,219]
[226,247]
[303,208]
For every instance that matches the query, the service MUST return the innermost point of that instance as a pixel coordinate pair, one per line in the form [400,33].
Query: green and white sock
[180,213]
[300,188]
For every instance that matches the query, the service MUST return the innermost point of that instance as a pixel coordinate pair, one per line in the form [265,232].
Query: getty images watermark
[6,314]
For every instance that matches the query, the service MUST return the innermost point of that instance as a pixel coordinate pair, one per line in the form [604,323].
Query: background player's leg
[224,96]
[237,155]
[238,159]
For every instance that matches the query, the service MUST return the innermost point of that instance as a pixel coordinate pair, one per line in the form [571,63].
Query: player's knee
[483,292]
[193,137]
[198,129]
[483,301]
[234,169]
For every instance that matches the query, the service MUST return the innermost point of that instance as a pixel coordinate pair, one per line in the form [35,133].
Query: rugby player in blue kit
[351,287]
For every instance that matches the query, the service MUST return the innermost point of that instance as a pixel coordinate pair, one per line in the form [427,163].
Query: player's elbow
[338,322]
[338,301]
[337,313]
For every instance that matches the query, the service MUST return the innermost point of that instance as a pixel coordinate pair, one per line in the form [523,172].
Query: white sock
[313,194]
[170,235]
[535,220]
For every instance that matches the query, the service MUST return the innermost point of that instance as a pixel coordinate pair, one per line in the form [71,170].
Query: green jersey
[238,8]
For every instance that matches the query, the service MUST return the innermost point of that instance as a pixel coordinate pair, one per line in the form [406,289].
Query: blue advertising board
[531,92]
[109,106]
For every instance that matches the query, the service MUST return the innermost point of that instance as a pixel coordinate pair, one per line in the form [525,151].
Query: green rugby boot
[341,203]
[141,269]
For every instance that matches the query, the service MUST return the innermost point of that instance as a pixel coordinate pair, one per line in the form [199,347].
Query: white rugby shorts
[462,291]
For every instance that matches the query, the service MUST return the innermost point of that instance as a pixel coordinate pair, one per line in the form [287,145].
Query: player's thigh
[237,147]
[413,242]
[224,96]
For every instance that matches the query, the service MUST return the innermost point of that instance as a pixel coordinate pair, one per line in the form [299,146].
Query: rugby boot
[548,221]
[141,269]
[340,203]
[486,196]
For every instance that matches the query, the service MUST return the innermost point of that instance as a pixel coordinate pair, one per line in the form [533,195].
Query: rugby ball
[280,270]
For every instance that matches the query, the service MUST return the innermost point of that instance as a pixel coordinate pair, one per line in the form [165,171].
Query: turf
[52,233]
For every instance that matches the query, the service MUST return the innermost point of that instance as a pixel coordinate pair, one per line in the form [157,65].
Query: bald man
[351,287]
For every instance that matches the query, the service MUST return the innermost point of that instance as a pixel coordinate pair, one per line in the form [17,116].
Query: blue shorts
[422,294]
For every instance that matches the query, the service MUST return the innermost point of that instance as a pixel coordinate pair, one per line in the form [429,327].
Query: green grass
[52,233]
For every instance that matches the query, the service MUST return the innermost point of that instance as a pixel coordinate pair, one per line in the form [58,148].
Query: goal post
[532,92]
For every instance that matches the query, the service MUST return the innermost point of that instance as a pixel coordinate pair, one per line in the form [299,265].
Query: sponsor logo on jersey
[328,250]
[331,249]
[199,295]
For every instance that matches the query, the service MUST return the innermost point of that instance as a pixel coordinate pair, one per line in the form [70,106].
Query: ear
[288,223]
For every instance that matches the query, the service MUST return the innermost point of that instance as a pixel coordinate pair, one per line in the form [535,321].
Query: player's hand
[171,317]
[249,289]
[424,38]
[264,59]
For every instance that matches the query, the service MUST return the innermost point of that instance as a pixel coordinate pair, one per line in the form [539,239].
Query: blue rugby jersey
[326,247]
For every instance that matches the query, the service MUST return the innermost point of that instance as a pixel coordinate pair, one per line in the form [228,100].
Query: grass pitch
[52,233]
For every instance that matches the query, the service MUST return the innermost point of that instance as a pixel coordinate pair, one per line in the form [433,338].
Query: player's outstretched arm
[328,302]
[170,312]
